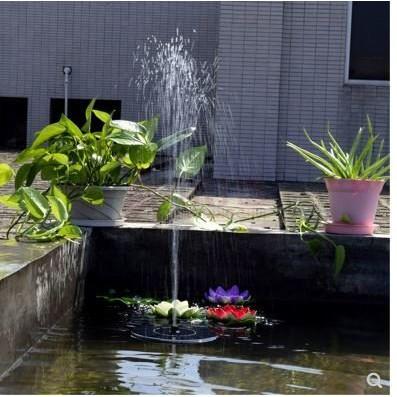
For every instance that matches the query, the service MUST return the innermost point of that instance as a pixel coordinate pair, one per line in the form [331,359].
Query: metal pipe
[67,71]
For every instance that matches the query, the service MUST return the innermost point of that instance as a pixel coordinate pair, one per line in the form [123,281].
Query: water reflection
[94,353]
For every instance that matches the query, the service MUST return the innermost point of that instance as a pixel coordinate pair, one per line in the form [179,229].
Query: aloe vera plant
[364,161]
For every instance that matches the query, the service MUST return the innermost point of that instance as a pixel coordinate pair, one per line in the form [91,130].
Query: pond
[93,352]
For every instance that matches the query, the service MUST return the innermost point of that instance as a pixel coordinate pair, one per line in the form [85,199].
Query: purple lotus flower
[230,296]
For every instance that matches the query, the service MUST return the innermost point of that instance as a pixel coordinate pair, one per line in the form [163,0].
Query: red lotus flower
[232,315]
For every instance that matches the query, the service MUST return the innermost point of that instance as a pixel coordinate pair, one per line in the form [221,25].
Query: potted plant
[93,168]
[354,179]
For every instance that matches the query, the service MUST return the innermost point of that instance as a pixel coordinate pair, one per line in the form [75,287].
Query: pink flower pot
[353,205]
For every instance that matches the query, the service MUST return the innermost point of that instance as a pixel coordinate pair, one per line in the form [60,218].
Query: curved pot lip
[120,187]
[353,181]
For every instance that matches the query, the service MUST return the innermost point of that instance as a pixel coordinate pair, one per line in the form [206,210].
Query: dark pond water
[93,353]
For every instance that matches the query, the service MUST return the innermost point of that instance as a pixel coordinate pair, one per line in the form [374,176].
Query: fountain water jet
[181,91]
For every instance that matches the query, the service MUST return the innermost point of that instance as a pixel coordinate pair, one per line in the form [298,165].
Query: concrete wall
[277,267]
[281,69]
[38,284]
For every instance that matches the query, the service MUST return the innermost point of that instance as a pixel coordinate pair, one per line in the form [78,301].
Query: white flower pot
[106,215]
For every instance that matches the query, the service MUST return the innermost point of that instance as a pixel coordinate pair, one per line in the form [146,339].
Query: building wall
[308,92]
[281,69]
[97,39]
[250,43]
[312,89]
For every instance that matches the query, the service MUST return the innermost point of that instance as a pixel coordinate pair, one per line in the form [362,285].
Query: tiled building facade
[282,68]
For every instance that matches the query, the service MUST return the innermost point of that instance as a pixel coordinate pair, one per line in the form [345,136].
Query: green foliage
[6,174]
[309,224]
[83,160]
[129,300]
[189,162]
[364,161]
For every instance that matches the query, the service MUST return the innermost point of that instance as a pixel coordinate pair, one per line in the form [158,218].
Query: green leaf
[150,126]
[48,132]
[34,170]
[87,126]
[10,201]
[314,246]
[108,167]
[49,172]
[103,116]
[29,154]
[71,127]
[34,202]
[345,218]
[189,163]
[22,175]
[57,192]
[142,156]
[126,125]
[78,174]
[93,195]
[57,158]
[164,211]
[6,173]
[339,259]
[71,232]
[58,208]
[173,139]
[127,138]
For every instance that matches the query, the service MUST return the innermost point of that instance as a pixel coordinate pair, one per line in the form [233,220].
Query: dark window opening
[76,110]
[13,123]
[370,41]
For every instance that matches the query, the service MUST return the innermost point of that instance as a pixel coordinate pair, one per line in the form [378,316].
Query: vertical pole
[67,71]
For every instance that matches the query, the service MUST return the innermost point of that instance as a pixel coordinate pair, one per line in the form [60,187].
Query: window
[76,110]
[368,42]
[13,123]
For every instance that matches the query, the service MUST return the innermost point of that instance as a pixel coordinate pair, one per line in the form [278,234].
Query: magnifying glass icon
[373,379]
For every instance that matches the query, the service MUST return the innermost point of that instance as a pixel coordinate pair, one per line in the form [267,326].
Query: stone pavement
[242,199]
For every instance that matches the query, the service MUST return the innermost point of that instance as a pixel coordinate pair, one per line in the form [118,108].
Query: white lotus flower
[182,309]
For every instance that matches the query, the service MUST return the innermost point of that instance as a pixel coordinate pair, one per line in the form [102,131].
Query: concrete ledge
[276,267]
[38,284]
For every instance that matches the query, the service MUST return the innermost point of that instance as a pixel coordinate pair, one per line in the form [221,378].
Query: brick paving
[240,198]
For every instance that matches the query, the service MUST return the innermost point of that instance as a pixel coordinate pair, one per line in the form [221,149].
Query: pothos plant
[77,163]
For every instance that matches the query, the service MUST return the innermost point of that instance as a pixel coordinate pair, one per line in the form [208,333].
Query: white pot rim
[121,187]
